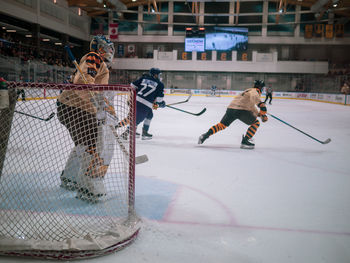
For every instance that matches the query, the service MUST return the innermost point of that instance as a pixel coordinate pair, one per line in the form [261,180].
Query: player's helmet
[155,71]
[103,46]
[259,84]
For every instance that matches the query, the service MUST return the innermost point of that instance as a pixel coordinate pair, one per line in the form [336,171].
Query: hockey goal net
[40,215]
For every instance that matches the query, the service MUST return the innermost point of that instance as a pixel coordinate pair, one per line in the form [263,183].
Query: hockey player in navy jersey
[149,96]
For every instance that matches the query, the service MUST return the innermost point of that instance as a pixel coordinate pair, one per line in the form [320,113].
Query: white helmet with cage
[103,46]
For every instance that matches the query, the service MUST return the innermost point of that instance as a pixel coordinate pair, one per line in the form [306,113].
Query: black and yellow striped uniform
[245,108]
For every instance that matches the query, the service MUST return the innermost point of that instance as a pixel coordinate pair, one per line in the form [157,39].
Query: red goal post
[40,218]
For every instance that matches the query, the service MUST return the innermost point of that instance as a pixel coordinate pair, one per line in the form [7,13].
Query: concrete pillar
[36,36]
[265,18]
[170,18]
[232,11]
[297,21]
[194,55]
[140,20]
[234,55]
[214,55]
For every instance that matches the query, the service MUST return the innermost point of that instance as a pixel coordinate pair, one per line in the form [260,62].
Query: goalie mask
[103,46]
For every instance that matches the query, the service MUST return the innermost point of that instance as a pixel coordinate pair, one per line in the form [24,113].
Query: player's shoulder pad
[94,56]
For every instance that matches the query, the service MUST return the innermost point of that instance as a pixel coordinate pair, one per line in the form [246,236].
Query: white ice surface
[286,201]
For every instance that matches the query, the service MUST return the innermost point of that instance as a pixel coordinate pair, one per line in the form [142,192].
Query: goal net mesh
[39,217]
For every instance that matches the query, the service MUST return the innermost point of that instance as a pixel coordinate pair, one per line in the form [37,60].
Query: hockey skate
[246,144]
[69,176]
[68,183]
[202,138]
[146,135]
[91,189]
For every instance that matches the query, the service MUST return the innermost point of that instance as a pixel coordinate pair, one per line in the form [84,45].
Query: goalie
[86,115]
[243,107]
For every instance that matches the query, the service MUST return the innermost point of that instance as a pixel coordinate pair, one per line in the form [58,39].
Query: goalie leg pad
[105,144]
[93,166]
[91,178]
[74,167]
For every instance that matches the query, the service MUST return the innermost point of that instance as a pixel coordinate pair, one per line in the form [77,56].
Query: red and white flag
[113,31]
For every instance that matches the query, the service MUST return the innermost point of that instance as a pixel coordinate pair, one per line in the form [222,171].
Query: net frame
[120,233]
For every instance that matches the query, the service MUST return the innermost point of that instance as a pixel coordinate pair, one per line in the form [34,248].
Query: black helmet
[259,84]
[154,71]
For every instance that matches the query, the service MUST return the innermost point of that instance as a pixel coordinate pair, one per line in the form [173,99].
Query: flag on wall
[113,31]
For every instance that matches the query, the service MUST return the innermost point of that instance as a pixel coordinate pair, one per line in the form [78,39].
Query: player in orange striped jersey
[245,108]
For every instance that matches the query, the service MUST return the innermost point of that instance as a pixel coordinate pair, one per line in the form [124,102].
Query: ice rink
[286,201]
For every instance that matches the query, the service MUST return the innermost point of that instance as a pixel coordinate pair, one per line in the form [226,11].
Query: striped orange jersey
[95,71]
[247,100]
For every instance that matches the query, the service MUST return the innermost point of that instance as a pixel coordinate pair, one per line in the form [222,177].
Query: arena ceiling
[340,8]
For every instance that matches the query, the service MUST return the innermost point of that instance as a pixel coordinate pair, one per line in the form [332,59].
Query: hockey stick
[35,117]
[175,103]
[126,122]
[323,142]
[72,58]
[138,159]
[195,114]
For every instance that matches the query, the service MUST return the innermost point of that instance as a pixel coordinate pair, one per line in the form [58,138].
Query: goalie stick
[323,142]
[38,118]
[195,114]
[138,159]
[175,103]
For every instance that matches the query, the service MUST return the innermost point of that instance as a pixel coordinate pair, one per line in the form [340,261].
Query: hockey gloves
[161,104]
[262,112]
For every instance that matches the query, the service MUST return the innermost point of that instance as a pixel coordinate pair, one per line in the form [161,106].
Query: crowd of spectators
[339,69]
[15,45]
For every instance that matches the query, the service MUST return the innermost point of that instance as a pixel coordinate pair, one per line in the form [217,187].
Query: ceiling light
[46,39]
[29,35]
[58,44]
[4,27]
[133,0]
[10,30]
